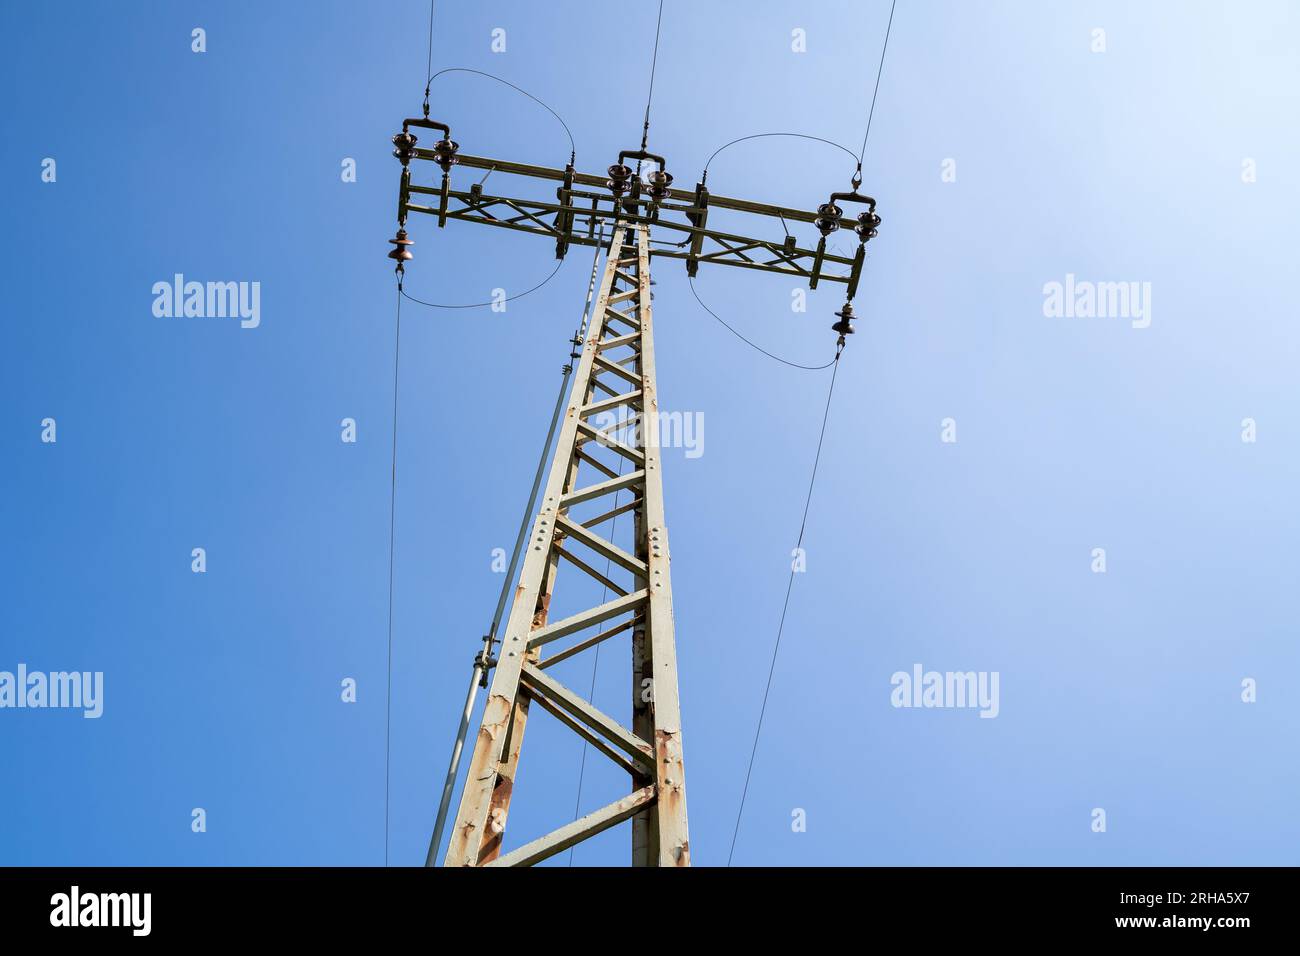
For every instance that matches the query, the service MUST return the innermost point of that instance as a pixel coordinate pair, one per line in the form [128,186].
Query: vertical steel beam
[670,844]
[643,851]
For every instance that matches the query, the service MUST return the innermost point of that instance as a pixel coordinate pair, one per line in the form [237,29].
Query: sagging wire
[816,139]
[402,241]
[758,348]
[479,305]
[573,152]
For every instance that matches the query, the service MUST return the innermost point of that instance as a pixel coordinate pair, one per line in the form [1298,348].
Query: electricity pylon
[614,382]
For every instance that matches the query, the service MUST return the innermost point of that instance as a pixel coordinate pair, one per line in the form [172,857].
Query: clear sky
[1120,691]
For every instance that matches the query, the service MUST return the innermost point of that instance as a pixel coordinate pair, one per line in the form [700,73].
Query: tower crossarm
[584,204]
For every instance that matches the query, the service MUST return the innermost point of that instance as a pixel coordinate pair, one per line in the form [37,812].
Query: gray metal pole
[483,661]
[455,764]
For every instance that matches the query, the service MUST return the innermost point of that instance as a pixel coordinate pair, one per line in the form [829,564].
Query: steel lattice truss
[614,381]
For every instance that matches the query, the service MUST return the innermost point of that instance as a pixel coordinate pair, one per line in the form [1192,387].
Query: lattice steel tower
[614,381]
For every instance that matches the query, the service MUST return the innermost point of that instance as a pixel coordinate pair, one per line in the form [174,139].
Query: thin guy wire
[784,607]
[879,71]
[428,67]
[392,528]
[654,61]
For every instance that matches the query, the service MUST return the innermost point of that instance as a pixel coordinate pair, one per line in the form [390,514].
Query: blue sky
[1119,691]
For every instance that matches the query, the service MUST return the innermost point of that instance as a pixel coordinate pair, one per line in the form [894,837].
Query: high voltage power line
[812,481]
